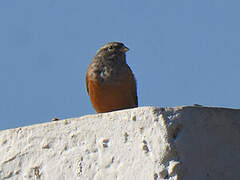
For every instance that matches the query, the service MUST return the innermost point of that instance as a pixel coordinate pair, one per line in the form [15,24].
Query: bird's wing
[87,82]
[134,87]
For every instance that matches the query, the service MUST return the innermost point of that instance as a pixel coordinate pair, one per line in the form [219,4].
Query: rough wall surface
[190,143]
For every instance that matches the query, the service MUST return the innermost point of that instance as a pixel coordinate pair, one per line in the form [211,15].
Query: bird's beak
[124,49]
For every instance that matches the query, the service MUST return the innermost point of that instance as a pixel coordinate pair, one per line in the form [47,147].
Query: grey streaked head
[109,62]
[113,47]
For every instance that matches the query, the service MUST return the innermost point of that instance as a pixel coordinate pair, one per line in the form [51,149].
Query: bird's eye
[110,47]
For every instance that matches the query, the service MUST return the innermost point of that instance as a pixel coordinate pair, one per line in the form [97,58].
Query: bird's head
[113,51]
[113,47]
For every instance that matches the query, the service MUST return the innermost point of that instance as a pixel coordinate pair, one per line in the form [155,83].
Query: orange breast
[114,96]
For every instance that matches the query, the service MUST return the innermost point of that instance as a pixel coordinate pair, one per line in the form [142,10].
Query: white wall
[142,143]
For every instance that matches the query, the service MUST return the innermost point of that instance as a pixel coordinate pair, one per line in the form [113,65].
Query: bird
[110,82]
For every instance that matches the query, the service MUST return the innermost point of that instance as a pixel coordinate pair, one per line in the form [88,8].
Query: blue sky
[181,52]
